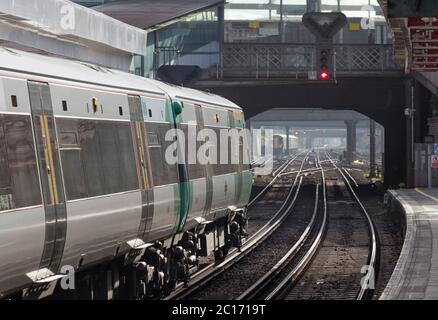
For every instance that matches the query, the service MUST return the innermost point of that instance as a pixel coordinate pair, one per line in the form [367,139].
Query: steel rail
[262,282]
[364,290]
[206,274]
[290,279]
[351,177]
[276,176]
[260,162]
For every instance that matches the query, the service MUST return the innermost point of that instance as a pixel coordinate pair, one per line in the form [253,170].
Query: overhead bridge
[262,76]
[277,61]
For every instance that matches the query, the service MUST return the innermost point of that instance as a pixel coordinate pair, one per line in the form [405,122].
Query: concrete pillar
[287,140]
[308,140]
[433,121]
[372,148]
[409,113]
[434,105]
[351,140]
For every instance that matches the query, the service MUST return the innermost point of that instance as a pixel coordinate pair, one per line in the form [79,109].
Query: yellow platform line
[426,195]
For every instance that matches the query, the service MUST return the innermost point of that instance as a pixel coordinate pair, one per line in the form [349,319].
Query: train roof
[70,70]
[177,92]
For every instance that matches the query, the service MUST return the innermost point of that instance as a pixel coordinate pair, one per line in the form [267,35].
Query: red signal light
[324,75]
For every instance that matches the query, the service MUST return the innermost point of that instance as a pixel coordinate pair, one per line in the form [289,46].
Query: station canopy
[66,29]
[153,14]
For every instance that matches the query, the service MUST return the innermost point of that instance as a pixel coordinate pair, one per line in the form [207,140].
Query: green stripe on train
[170,116]
[246,186]
[185,191]
[177,206]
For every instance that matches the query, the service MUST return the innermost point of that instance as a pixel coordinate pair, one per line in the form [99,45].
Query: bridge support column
[409,113]
[287,140]
[372,149]
[351,140]
[308,140]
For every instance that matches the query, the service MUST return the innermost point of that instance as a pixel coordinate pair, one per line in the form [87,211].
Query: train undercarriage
[150,271]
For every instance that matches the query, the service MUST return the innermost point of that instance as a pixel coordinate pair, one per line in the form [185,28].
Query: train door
[244,183]
[164,180]
[185,191]
[237,166]
[143,164]
[51,178]
[208,168]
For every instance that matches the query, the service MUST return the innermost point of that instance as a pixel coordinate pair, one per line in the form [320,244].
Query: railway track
[211,271]
[283,274]
[345,265]
[329,251]
[230,284]
[281,281]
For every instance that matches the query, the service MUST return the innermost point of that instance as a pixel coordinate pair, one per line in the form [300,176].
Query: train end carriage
[217,188]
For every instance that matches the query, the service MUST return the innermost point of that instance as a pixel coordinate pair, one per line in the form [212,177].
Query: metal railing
[298,61]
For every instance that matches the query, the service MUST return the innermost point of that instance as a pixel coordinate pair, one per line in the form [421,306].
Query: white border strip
[395,283]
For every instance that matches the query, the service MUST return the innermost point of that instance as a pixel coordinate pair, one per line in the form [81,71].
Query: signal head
[324,75]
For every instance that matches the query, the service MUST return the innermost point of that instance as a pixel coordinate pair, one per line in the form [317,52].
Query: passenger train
[85,186]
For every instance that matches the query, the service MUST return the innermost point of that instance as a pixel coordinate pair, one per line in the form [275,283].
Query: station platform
[415,276]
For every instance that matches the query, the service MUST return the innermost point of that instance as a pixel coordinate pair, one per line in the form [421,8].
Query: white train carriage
[84,181]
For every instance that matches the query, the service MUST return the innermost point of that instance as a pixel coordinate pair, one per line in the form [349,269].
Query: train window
[218,168]
[129,179]
[110,160]
[73,173]
[18,165]
[195,170]
[90,161]
[64,105]
[121,111]
[102,163]
[14,101]
[117,157]
[163,173]
[244,152]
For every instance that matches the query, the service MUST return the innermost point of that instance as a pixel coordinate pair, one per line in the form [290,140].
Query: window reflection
[19,183]
[97,157]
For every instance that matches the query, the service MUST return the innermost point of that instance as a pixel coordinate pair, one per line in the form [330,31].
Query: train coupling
[238,226]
